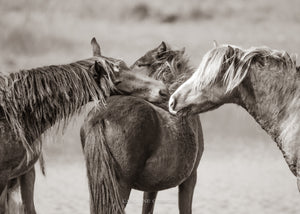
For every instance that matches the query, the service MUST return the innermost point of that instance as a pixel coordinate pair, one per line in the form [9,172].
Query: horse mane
[234,63]
[173,68]
[35,99]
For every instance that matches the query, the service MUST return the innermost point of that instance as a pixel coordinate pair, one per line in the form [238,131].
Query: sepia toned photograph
[149,107]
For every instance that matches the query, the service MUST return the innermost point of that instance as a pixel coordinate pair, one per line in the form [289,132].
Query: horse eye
[143,64]
[116,69]
[117,82]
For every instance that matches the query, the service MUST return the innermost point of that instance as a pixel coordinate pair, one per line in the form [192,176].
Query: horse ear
[96,47]
[99,70]
[215,44]
[162,47]
[181,51]
[294,58]
[229,56]
[230,52]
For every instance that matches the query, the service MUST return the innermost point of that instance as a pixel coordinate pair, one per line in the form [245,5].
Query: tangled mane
[172,67]
[34,100]
[234,63]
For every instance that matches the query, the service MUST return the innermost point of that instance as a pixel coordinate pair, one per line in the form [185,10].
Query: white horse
[263,81]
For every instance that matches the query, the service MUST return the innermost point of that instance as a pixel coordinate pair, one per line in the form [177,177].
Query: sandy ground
[236,175]
[242,171]
[256,181]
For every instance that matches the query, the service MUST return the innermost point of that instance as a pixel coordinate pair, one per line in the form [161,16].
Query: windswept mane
[34,100]
[172,68]
[231,64]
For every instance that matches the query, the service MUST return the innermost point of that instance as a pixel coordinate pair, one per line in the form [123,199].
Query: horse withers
[265,82]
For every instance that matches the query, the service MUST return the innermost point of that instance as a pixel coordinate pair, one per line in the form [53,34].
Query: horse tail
[102,178]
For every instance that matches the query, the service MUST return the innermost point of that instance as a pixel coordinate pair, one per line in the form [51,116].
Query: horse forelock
[209,68]
[37,98]
[231,64]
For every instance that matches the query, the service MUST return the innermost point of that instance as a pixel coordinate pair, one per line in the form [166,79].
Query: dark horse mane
[172,67]
[37,98]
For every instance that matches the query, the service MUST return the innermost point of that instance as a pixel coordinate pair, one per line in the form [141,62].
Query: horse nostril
[172,103]
[163,93]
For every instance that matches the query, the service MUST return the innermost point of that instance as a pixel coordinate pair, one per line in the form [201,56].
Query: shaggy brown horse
[34,100]
[263,81]
[135,144]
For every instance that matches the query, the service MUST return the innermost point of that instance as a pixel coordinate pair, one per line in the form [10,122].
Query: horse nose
[164,93]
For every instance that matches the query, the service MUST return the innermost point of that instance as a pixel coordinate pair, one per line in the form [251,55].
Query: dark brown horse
[135,144]
[265,82]
[34,100]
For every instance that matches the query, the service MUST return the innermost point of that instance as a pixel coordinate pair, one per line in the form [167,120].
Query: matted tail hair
[37,98]
[101,171]
[234,63]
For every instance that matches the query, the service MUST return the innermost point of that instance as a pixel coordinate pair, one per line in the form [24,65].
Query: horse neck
[273,99]
[174,83]
[180,78]
[60,95]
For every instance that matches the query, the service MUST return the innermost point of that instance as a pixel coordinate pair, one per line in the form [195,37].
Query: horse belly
[155,178]
[166,169]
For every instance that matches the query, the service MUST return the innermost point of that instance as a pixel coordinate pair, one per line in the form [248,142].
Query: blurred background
[242,170]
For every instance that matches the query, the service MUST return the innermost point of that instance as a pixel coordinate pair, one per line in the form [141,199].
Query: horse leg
[27,191]
[298,171]
[124,191]
[14,202]
[3,199]
[3,194]
[186,191]
[148,202]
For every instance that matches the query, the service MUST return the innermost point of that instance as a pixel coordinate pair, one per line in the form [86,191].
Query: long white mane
[231,64]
